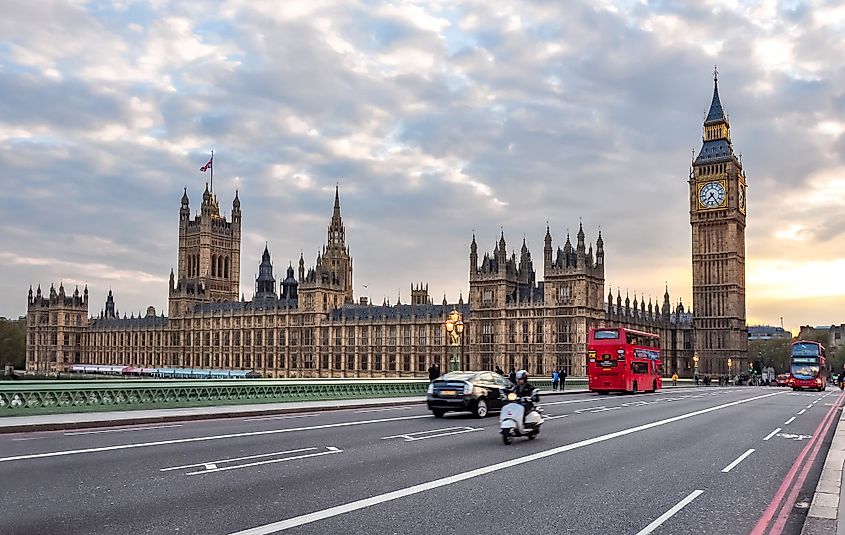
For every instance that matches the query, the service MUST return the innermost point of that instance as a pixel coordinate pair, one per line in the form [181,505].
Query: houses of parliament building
[307,324]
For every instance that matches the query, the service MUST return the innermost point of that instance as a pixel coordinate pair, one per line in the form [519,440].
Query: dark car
[477,392]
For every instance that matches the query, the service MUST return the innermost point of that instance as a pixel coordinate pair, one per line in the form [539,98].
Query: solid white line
[789,421]
[668,514]
[450,480]
[738,460]
[555,417]
[73,433]
[271,461]
[203,439]
[382,410]
[221,461]
[773,433]
[802,411]
[288,417]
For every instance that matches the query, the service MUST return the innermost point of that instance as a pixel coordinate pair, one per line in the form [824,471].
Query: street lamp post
[695,361]
[730,369]
[455,328]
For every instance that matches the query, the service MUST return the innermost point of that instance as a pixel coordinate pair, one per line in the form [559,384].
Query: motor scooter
[514,422]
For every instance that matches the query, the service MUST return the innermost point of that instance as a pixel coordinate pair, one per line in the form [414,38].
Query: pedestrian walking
[674,379]
[555,379]
[433,372]
[512,376]
[562,379]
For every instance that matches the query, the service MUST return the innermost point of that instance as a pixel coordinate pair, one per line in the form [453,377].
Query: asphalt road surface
[700,460]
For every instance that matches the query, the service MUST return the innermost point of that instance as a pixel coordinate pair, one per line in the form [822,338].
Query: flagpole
[212,170]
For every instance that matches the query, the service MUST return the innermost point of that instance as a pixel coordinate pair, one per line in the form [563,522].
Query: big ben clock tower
[717,214]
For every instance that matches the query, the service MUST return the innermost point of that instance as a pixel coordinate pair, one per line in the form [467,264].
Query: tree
[837,358]
[13,342]
[817,335]
[774,353]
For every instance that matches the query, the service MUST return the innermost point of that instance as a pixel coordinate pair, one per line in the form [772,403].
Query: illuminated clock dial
[711,195]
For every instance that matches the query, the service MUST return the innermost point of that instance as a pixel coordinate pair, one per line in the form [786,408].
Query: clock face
[742,197]
[711,195]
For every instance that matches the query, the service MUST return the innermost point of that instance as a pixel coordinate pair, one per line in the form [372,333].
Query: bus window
[639,367]
[606,334]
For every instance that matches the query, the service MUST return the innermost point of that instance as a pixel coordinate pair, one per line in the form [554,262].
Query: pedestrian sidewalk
[78,420]
[827,510]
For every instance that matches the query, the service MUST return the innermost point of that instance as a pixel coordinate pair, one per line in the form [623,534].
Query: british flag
[207,166]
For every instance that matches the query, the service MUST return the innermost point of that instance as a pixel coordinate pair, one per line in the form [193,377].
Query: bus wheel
[653,387]
[603,392]
[634,391]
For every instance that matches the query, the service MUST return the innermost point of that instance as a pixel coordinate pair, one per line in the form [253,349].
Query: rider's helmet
[522,374]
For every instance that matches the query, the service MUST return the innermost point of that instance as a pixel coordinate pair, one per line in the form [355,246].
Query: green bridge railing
[45,397]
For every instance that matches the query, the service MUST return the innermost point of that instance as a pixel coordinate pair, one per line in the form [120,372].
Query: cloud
[436,118]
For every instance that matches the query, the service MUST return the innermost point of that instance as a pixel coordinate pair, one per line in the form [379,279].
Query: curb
[826,505]
[234,413]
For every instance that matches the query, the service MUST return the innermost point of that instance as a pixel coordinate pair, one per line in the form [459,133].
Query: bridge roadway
[611,464]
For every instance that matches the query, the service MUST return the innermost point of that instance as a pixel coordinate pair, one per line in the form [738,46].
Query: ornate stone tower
[717,189]
[55,328]
[209,255]
[328,285]
[265,283]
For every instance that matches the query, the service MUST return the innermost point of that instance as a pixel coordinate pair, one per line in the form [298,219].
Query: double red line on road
[788,491]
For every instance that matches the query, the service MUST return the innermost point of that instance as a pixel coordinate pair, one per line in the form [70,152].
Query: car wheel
[438,413]
[480,408]
[506,437]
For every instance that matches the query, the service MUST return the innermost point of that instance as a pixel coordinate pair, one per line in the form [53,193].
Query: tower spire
[716,113]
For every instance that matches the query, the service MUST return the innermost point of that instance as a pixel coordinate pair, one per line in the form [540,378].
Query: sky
[436,119]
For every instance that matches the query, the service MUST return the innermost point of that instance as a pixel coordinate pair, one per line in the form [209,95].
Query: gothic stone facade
[311,327]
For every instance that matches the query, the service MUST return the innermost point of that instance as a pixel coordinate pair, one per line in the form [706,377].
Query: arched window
[213,265]
[226,268]
[220,270]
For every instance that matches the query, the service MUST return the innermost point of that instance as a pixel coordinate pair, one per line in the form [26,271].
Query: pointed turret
[667,307]
[473,256]
[301,267]
[581,244]
[600,250]
[547,249]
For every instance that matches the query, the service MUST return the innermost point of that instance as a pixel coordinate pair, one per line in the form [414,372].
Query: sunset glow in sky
[436,118]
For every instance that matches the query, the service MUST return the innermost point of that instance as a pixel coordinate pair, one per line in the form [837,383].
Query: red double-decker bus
[807,366]
[623,360]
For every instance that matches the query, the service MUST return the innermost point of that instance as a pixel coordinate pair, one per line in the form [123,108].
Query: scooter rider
[525,389]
